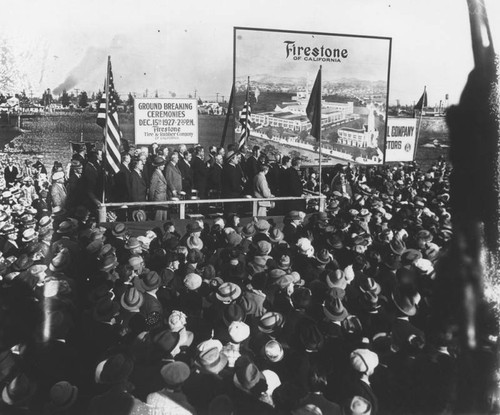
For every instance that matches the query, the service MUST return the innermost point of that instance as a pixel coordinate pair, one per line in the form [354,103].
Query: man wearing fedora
[158,188]
[174,176]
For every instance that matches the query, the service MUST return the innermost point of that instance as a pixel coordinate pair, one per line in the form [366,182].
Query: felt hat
[212,360]
[29,235]
[175,373]
[247,376]
[334,310]
[19,390]
[193,227]
[158,161]
[424,235]
[363,360]
[228,292]
[177,321]
[248,230]
[323,256]
[263,248]
[262,225]
[270,322]
[45,221]
[192,281]
[238,331]
[119,229]
[62,396]
[105,309]
[276,235]
[336,279]
[233,239]
[284,262]
[133,243]
[410,256]
[370,285]
[194,242]
[131,299]
[310,336]
[148,281]
[358,406]
[115,369]
[273,351]
[65,227]
[404,303]
[166,340]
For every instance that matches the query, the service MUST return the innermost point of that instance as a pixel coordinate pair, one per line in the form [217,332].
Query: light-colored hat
[58,175]
[364,360]
[238,331]
[192,281]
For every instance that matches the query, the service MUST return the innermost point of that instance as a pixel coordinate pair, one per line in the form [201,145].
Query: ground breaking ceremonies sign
[167,121]
[400,139]
[278,69]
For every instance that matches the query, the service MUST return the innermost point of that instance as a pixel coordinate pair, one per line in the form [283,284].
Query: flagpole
[319,133]
[247,120]
[419,125]
[106,90]
[228,114]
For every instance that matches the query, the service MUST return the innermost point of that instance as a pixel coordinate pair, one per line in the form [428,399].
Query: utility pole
[195,91]
[217,96]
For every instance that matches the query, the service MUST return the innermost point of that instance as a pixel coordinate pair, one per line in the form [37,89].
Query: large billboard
[166,121]
[400,139]
[278,69]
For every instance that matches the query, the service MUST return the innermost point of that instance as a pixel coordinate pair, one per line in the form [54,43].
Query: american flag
[245,118]
[110,123]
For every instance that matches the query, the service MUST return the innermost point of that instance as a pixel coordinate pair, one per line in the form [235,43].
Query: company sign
[166,121]
[400,139]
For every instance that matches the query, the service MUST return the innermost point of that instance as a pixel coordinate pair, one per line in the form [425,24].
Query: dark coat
[187,174]
[138,187]
[10,175]
[295,188]
[231,181]
[92,183]
[215,178]
[123,188]
[200,176]
[158,187]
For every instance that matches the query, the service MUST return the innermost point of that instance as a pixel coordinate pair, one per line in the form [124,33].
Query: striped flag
[107,118]
[245,118]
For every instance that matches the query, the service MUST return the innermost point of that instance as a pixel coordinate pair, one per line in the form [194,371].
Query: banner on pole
[166,121]
[282,67]
[400,139]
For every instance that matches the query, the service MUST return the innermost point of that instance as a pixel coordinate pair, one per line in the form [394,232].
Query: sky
[179,47]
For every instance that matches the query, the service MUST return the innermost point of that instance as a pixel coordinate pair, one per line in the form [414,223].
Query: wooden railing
[182,203]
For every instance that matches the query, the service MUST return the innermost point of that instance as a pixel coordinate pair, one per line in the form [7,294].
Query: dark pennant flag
[313,109]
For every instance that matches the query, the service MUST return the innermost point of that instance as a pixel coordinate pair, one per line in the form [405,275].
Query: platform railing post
[101,212]
[322,200]
[182,210]
[255,204]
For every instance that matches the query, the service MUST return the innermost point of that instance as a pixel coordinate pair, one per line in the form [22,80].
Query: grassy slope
[51,135]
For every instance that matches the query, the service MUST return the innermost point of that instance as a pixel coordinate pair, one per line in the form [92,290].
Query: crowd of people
[326,313]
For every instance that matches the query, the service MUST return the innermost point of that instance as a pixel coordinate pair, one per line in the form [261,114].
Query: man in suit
[295,186]
[200,172]
[122,180]
[92,182]
[232,181]
[137,182]
[184,165]
[252,164]
[10,173]
[215,178]
[173,176]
